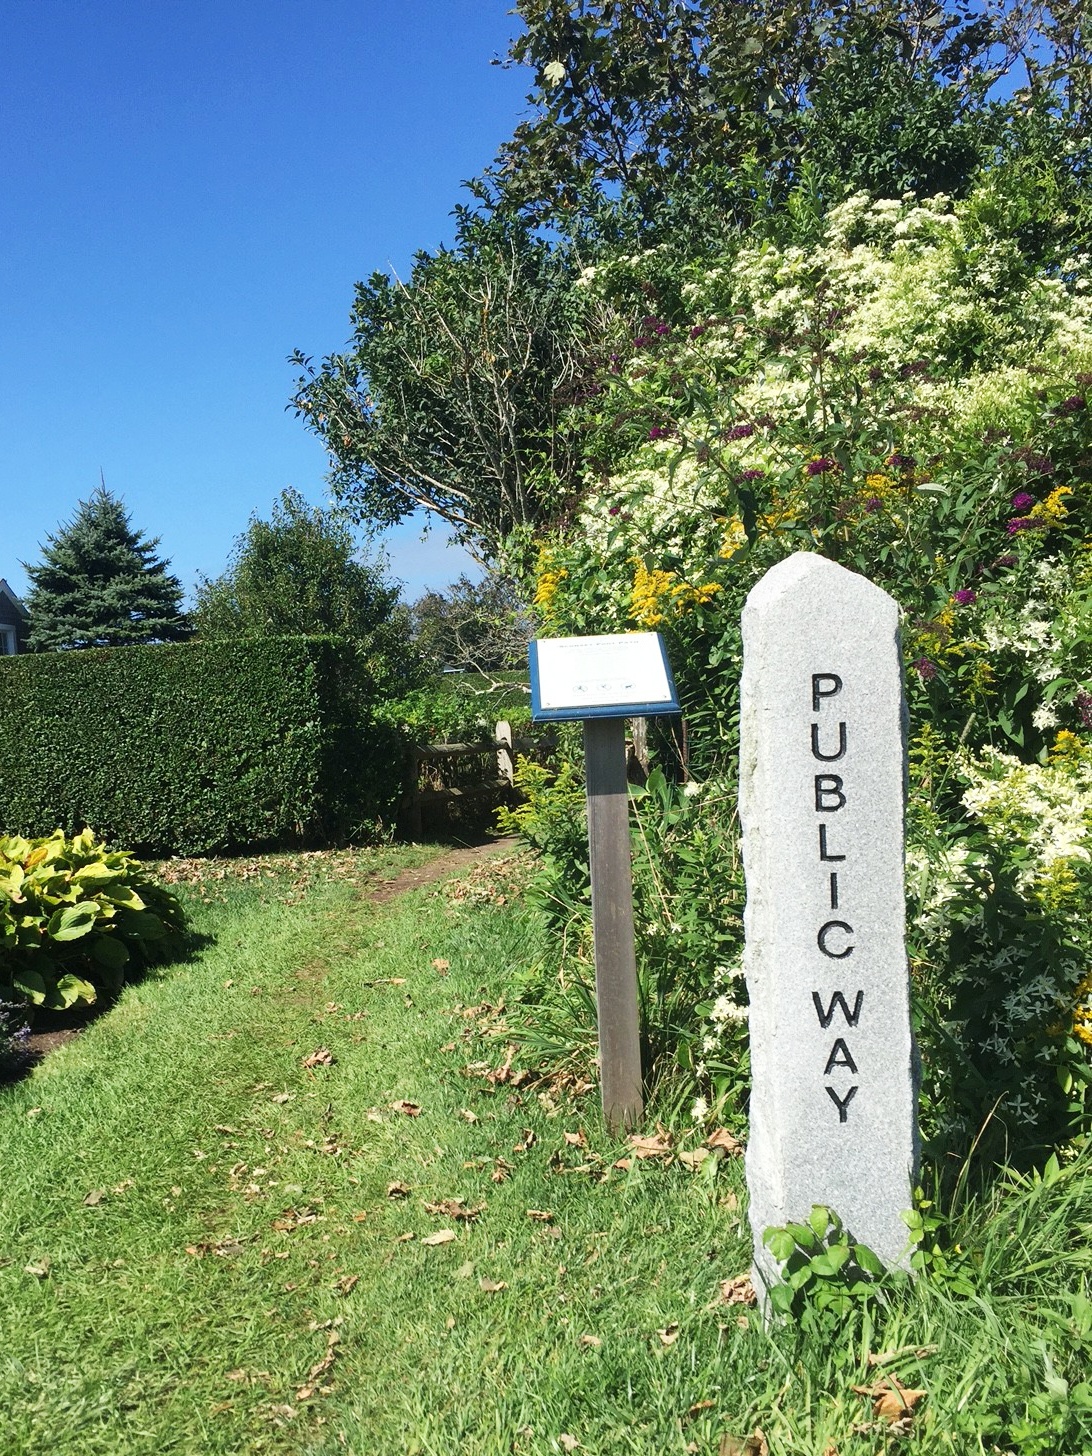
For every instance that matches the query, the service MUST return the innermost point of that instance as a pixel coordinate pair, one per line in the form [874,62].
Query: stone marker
[822,781]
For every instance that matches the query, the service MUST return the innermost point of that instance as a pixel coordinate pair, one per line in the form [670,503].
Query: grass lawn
[293,1196]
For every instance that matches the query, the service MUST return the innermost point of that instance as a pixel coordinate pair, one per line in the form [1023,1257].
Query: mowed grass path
[202,1251]
[217,1207]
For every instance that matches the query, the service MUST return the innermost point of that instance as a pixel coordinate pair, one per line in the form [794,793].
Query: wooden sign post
[601,681]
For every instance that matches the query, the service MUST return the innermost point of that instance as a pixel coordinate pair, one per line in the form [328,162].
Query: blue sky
[188,191]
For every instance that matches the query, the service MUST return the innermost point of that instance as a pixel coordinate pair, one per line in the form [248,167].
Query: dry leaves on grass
[669,1334]
[892,1401]
[320,1057]
[410,1109]
[311,1386]
[223,1248]
[752,1445]
[492,1286]
[454,1208]
[739,1290]
[292,1219]
[441,1236]
[398,1190]
[721,1140]
[540,1215]
[441,966]
[656,1146]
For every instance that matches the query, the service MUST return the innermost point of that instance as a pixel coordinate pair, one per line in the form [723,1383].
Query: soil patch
[450,862]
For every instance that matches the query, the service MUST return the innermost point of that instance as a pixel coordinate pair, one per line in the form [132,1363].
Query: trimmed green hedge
[196,747]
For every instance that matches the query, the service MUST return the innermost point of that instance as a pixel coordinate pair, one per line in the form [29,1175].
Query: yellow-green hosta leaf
[70,989]
[125,896]
[31,985]
[96,873]
[73,921]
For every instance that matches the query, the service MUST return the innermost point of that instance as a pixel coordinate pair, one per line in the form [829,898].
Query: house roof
[7,593]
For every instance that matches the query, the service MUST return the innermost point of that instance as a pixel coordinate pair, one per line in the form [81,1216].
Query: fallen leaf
[891,1400]
[405,1238]
[739,1290]
[95,1197]
[576,1139]
[669,1334]
[540,1215]
[699,1406]
[320,1057]
[467,1115]
[411,1109]
[693,1158]
[398,1190]
[567,1442]
[346,1284]
[492,1286]
[657,1146]
[624,1164]
[441,1236]
[439,964]
[453,1208]
[397,981]
[721,1138]
[360,1215]
[464,1271]
[752,1445]
[591,1340]
[290,1219]
[38,1267]
[283,1097]
[501,1170]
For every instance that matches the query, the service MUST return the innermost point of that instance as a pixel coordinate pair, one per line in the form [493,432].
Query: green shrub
[196,747]
[74,916]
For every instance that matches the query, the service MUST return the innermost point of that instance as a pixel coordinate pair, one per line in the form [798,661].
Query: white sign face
[588,675]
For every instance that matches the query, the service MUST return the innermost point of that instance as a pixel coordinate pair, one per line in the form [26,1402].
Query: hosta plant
[74,916]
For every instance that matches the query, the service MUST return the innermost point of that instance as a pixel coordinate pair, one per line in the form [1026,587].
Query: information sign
[621,675]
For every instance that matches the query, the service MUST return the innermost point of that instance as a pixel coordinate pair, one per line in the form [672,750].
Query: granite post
[822,789]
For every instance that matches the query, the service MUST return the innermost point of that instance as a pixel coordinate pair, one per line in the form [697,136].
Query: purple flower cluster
[1035,463]
[739,432]
[660,432]
[902,463]
[1083,703]
[1021,501]
[925,669]
[872,505]
[823,466]
[1073,405]
[1021,523]
[697,331]
[965,597]
[753,474]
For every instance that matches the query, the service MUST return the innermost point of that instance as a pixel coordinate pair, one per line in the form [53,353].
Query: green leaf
[819,1219]
[70,989]
[867,1260]
[31,985]
[73,921]
[110,952]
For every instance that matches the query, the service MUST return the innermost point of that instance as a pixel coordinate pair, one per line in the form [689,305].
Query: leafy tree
[100,584]
[452,397]
[482,626]
[299,573]
[876,94]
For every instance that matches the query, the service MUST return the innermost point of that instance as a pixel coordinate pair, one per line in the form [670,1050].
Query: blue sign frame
[577,711]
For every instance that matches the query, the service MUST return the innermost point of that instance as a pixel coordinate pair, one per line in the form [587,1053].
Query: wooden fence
[485,774]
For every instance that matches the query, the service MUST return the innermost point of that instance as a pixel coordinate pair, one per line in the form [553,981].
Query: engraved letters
[833,938]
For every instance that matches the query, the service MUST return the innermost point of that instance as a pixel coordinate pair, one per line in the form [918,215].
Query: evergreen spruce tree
[100,584]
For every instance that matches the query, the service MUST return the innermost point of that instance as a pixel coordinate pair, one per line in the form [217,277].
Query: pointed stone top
[805,568]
